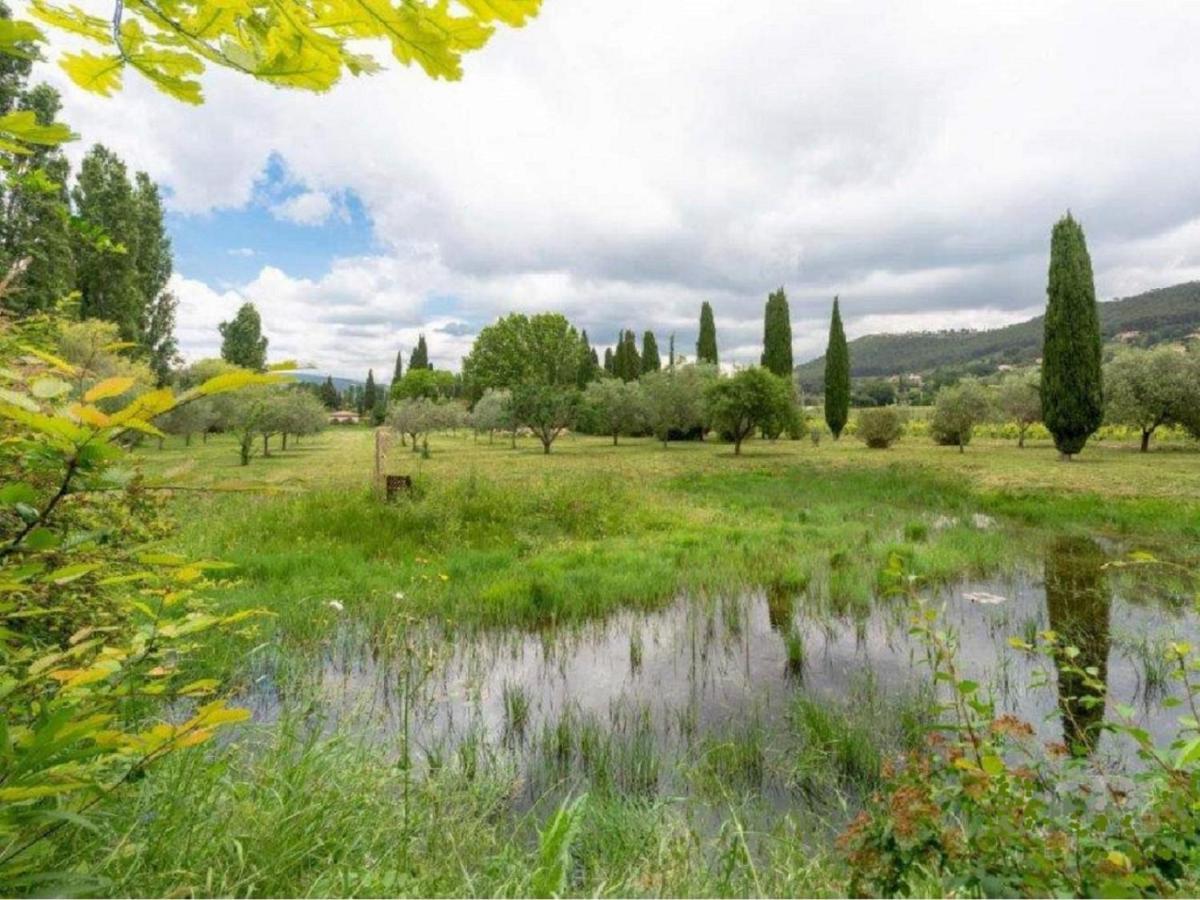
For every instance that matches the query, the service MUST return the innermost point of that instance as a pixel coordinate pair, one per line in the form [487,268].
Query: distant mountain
[313,378]
[1166,314]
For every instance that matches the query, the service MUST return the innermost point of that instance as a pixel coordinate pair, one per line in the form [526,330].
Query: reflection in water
[781,607]
[1079,606]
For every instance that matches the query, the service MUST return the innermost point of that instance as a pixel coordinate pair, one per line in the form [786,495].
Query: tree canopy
[837,375]
[752,398]
[706,344]
[242,341]
[777,335]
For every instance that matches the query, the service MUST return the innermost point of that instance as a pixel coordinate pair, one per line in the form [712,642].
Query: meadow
[691,642]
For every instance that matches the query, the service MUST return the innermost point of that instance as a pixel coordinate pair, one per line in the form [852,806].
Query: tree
[671,352]
[589,363]
[545,408]
[107,276]
[651,361]
[291,43]
[1020,401]
[837,375]
[617,405]
[706,345]
[777,335]
[329,393]
[957,411]
[369,392]
[1072,390]
[609,361]
[187,420]
[242,341]
[752,398]
[432,384]
[1148,388]
[627,363]
[153,264]
[674,399]
[493,412]
[420,356]
[398,372]
[879,427]
[517,349]
[89,347]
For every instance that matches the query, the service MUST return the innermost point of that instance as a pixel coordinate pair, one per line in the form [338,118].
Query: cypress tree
[706,346]
[633,360]
[1072,393]
[651,361]
[369,391]
[328,393]
[837,375]
[420,356]
[399,371]
[777,335]
[589,363]
[671,353]
[609,361]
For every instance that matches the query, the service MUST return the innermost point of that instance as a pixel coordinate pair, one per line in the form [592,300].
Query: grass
[494,537]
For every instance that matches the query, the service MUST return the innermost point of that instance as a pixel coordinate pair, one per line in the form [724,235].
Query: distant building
[1128,335]
[343,417]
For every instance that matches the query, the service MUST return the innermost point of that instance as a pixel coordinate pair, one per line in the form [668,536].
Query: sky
[622,161]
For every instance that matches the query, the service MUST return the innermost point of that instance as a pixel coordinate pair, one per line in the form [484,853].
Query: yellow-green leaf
[109,387]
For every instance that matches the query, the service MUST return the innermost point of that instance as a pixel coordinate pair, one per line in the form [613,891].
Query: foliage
[1020,401]
[552,875]
[674,399]
[95,351]
[651,361]
[706,344]
[1150,388]
[417,416]
[493,412]
[989,810]
[777,335]
[617,406]
[752,398]
[94,629]
[957,411]
[545,408]
[420,355]
[627,363]
[293,44]
[879,427]
[242,340]
[543,350]
[1072,400]
[421,381]
[589,362]
[398,371]
[837,375]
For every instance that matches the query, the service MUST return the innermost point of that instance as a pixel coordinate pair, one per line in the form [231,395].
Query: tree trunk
[205,438]
[737,447]
[545,446]
[614,439]
[266,445]
[514,439]
[284,447]
[1064,457]
[1021,439]
[161,441]
[1146,439]
[961,447]
[187,439]
[415,448]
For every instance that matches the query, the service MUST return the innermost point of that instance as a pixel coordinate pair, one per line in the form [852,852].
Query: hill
[1166,314]
[314,378]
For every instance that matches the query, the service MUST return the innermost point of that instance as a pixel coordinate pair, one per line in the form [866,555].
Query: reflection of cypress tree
[1078,604]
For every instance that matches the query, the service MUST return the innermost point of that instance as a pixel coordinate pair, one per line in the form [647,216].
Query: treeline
[1155,317]
[96,247]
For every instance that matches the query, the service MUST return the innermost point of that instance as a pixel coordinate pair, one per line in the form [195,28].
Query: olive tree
[1020,401]
[674,399]
[546,409]
[957,410]
[1148,389]
[493,412]
[752,398]
[618,405]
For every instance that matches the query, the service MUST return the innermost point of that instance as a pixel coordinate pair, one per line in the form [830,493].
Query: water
[703,669]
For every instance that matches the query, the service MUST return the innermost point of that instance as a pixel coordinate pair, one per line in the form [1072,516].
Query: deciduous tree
[1020,401]
[958,409]
[242,341]
[618,405]
[749,399]
[1148,389]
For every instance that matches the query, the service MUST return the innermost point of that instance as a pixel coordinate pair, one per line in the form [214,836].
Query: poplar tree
[153,263]
[706,346]
[777,335]
[651,361]
[242,341]
[420,356]
[1072,390]
[837,375]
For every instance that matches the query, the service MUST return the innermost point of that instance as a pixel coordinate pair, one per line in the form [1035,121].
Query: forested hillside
[1166,314]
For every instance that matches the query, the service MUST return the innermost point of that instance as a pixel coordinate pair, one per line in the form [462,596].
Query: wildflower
[399,595]
[336,605]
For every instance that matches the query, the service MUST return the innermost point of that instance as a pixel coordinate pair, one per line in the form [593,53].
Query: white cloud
[242,251]
[623,161]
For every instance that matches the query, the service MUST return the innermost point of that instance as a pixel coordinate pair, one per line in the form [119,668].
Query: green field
[500,541]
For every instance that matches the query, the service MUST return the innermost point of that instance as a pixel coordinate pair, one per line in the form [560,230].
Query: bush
[879,427]
[957,411]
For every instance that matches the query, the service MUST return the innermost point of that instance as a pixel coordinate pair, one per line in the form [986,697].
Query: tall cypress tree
[777,335]
[671,353]
[398,373]
[589,363]
[1072,392]
[651,361]
[420,356]
[837,375]
[627,365]
[610,362]
[369,391]
[328,393]
[706,346]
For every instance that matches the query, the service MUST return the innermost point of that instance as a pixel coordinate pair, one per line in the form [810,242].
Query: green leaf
[49,388]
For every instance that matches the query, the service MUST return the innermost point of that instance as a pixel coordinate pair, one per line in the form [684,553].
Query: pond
[637,694]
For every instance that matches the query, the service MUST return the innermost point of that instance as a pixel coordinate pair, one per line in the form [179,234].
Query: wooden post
[383,439]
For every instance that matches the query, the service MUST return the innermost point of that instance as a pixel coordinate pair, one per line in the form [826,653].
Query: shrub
[879,427]
[957,411]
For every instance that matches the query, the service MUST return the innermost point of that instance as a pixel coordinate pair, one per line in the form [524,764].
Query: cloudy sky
[621,161]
